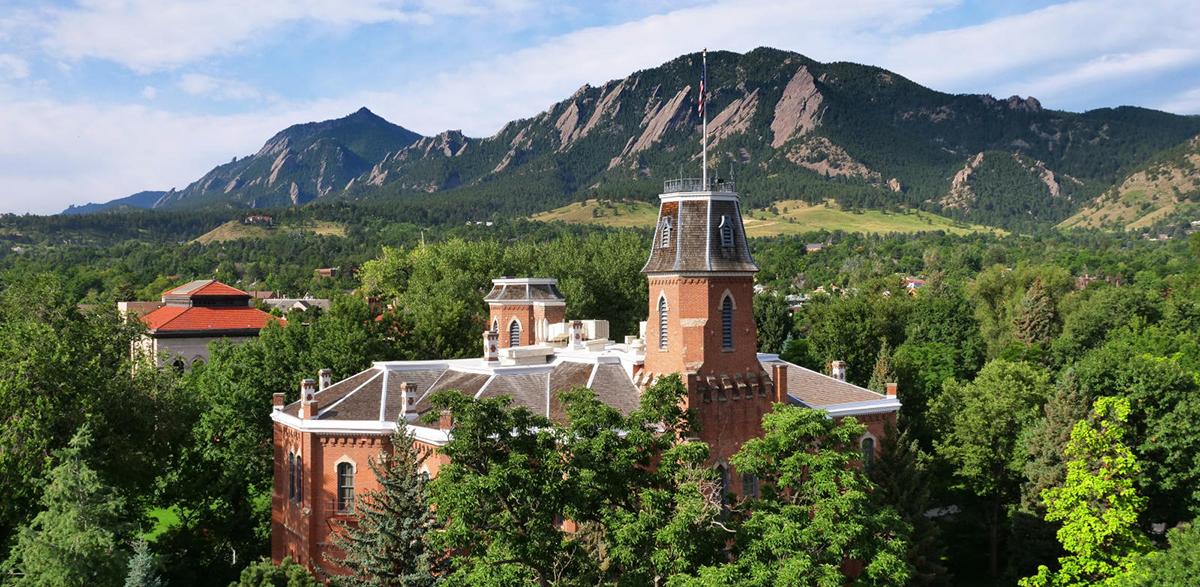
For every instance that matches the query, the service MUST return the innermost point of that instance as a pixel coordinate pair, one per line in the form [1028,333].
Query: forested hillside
[784,126]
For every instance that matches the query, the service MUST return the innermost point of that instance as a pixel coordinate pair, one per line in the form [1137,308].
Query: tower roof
[702,230]
[524,289]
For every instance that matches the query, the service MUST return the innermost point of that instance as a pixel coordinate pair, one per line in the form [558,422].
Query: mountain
[784,126]
[138,200]
[1167,185]
[297,165]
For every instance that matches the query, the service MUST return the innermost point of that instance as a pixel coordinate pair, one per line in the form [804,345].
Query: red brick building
[700,274]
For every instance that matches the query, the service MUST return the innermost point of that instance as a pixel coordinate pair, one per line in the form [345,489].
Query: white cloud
[153,35]
[216,88]
[1187,102]
[149,92]
[13,67]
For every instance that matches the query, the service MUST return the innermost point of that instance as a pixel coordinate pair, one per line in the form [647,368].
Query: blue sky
[103,98]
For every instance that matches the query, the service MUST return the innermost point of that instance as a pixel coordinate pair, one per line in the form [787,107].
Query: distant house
[326,272]
[911,285]
[179,328]
[264,294]
[287,305]
[814,247]
[259,220]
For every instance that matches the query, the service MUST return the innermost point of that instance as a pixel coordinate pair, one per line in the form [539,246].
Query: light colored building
[179,328]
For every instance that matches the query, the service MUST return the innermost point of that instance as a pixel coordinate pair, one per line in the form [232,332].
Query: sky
[103,98]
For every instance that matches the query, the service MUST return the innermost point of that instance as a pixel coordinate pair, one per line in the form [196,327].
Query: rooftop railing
[696,184]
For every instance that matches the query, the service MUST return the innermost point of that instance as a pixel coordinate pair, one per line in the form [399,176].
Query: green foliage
[774,320]
[981,423]
[882,374]
[1178,566]
[143,570]
[1036,316]
[265,574]
[388,545]
[1098,504]
[1045,442]
[78,537]
[905,478]
[817,510]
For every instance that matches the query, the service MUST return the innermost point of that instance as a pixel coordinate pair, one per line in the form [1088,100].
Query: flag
[703,74]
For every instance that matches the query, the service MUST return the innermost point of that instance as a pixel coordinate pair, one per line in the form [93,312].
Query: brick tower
[521,309]
[701,325]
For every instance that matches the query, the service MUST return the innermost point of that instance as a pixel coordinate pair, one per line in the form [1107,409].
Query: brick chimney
[324,379]
[779,376]
[308,399]
[446,421]
[837,370]
[891,390]
[278,401]
[408,398]
[576,334]
[491,347]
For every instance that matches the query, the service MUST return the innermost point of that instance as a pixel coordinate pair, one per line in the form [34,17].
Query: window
[514,333]
[727,322]
[299,479]
[662,323]
[665,239]
[291,476]
[723,476]
[345,492]
[495,325]
[726,232]
[868,451]
[749,485]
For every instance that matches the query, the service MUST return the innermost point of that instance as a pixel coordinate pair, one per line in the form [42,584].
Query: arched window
[726,232]
[749,485]
[291,476]
[665,238]
[727,322]
[345,492]
[299,479]
[178,364]
[723,477]
[514,333]
[868,451]
[662,323]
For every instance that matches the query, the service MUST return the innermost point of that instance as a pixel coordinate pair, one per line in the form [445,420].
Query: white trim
[708,239]
[673,274]
[592,377]
[345,459]
[862,408]
[425,393]
[664,230]
[383,400]
[527,302]
[697,196]
[485,385]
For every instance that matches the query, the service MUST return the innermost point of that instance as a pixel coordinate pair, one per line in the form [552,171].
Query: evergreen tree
[903,475]
[1047,440]
[265,574]
[882,374]
[387,547]
[774,320]
[1034,323]
[141,568]
[76,539]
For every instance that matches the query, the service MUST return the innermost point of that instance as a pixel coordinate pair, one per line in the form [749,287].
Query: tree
[78,537]
[882,374]
[1035,319]
[265,574]
[142,568]
[818,522]
[774,320]
[902,472]
[515,478]
[980,427]
[388,546]
[1047,440]
[1178,566]
[1098,504]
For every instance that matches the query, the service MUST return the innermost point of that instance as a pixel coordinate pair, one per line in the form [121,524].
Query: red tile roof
[206,287]
[170,318]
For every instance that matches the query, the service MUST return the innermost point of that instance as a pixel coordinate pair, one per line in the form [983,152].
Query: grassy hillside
[787,217]
[235,229]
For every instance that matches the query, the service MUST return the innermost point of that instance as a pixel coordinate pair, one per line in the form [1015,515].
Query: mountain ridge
[785,126]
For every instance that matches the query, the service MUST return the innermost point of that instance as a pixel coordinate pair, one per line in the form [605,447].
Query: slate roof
[542,292]
[180,318]
[817,390]
[695,245]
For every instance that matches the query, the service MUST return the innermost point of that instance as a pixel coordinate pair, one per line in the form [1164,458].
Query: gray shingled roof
[817,390]
[695,243]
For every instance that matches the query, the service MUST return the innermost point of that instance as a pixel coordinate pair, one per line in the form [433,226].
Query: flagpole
[704,116]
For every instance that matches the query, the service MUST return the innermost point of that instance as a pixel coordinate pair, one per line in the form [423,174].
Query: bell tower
[701,325]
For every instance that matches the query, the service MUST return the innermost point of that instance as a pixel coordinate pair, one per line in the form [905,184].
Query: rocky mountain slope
[1167,185]
[138,200]
[784,126]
